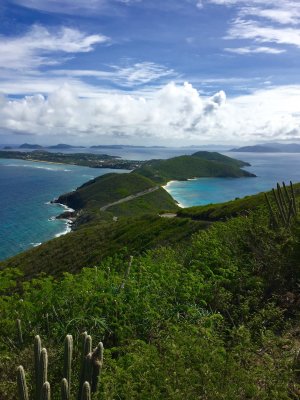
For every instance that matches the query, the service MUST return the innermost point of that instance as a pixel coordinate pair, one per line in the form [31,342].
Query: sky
[149,72]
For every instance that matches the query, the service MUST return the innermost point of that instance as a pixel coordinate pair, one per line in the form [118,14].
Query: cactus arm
[46,392]
[22,386]
[43,368]
[86,349]
[281,211]
[97,361]
[294,198]
[64,390]
[68,360]
[86,391]
[37,358]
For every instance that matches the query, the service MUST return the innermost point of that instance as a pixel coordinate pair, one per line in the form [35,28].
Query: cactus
[46,391]
[43,368]
[294,198]
[64,390]
[19,329]
[86,391]
[68,360]
[97,361]
[22,386]
[37,358]
[86,349]
[286,206]
[91,365]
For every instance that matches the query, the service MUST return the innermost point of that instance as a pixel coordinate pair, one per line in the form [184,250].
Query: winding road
[131,197]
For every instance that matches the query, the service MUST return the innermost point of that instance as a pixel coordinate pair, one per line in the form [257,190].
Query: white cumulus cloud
[170,113]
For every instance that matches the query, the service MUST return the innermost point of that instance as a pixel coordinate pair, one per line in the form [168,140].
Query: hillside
[89,245]
[110,188]
[216,318]
[200,164]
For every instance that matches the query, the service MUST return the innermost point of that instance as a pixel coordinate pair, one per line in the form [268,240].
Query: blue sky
[149,72]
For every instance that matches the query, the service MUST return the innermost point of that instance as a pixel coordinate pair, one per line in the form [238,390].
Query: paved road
[131,197]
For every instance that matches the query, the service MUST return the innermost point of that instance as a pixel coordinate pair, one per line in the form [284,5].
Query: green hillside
[216,318]
[89,245]
[214,156]
[197,165]
[106,189]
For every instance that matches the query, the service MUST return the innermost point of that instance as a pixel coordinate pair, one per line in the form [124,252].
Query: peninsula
[81,159]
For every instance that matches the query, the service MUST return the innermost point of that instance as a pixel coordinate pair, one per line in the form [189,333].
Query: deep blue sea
[26,217]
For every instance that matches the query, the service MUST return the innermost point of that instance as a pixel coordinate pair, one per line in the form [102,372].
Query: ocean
[269,168]
[28,219]
[26,216]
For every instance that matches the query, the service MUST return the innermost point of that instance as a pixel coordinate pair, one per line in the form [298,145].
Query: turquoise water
[269,168]
[26,217]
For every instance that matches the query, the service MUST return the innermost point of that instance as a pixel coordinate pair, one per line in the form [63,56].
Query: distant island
[81,159]
[30,146]
[269,148]
[124,146]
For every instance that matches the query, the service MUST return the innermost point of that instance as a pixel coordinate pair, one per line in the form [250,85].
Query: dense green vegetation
[92,243]
[109,188]
[201,164]
[217,319]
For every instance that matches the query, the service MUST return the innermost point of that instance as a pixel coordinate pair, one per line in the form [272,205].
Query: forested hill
[113,187]
[200,164]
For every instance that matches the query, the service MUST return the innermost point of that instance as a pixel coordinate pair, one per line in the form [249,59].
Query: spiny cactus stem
[88,369]
[64,390]
[37,358]
[68,360]
[290,212]
[22,386]
[43,367]
[19,328]
[273,216]
[86,349]
[46,393]
[86,391]
[281,199]
[280,209]
[287,196]
[294,198]
[97,361]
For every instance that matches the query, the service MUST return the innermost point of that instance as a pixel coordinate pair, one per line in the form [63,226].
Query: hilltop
[200,164]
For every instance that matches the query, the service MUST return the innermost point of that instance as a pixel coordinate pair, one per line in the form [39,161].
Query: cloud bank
[174,112]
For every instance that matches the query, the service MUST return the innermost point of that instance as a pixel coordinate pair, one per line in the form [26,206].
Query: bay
[270,168]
